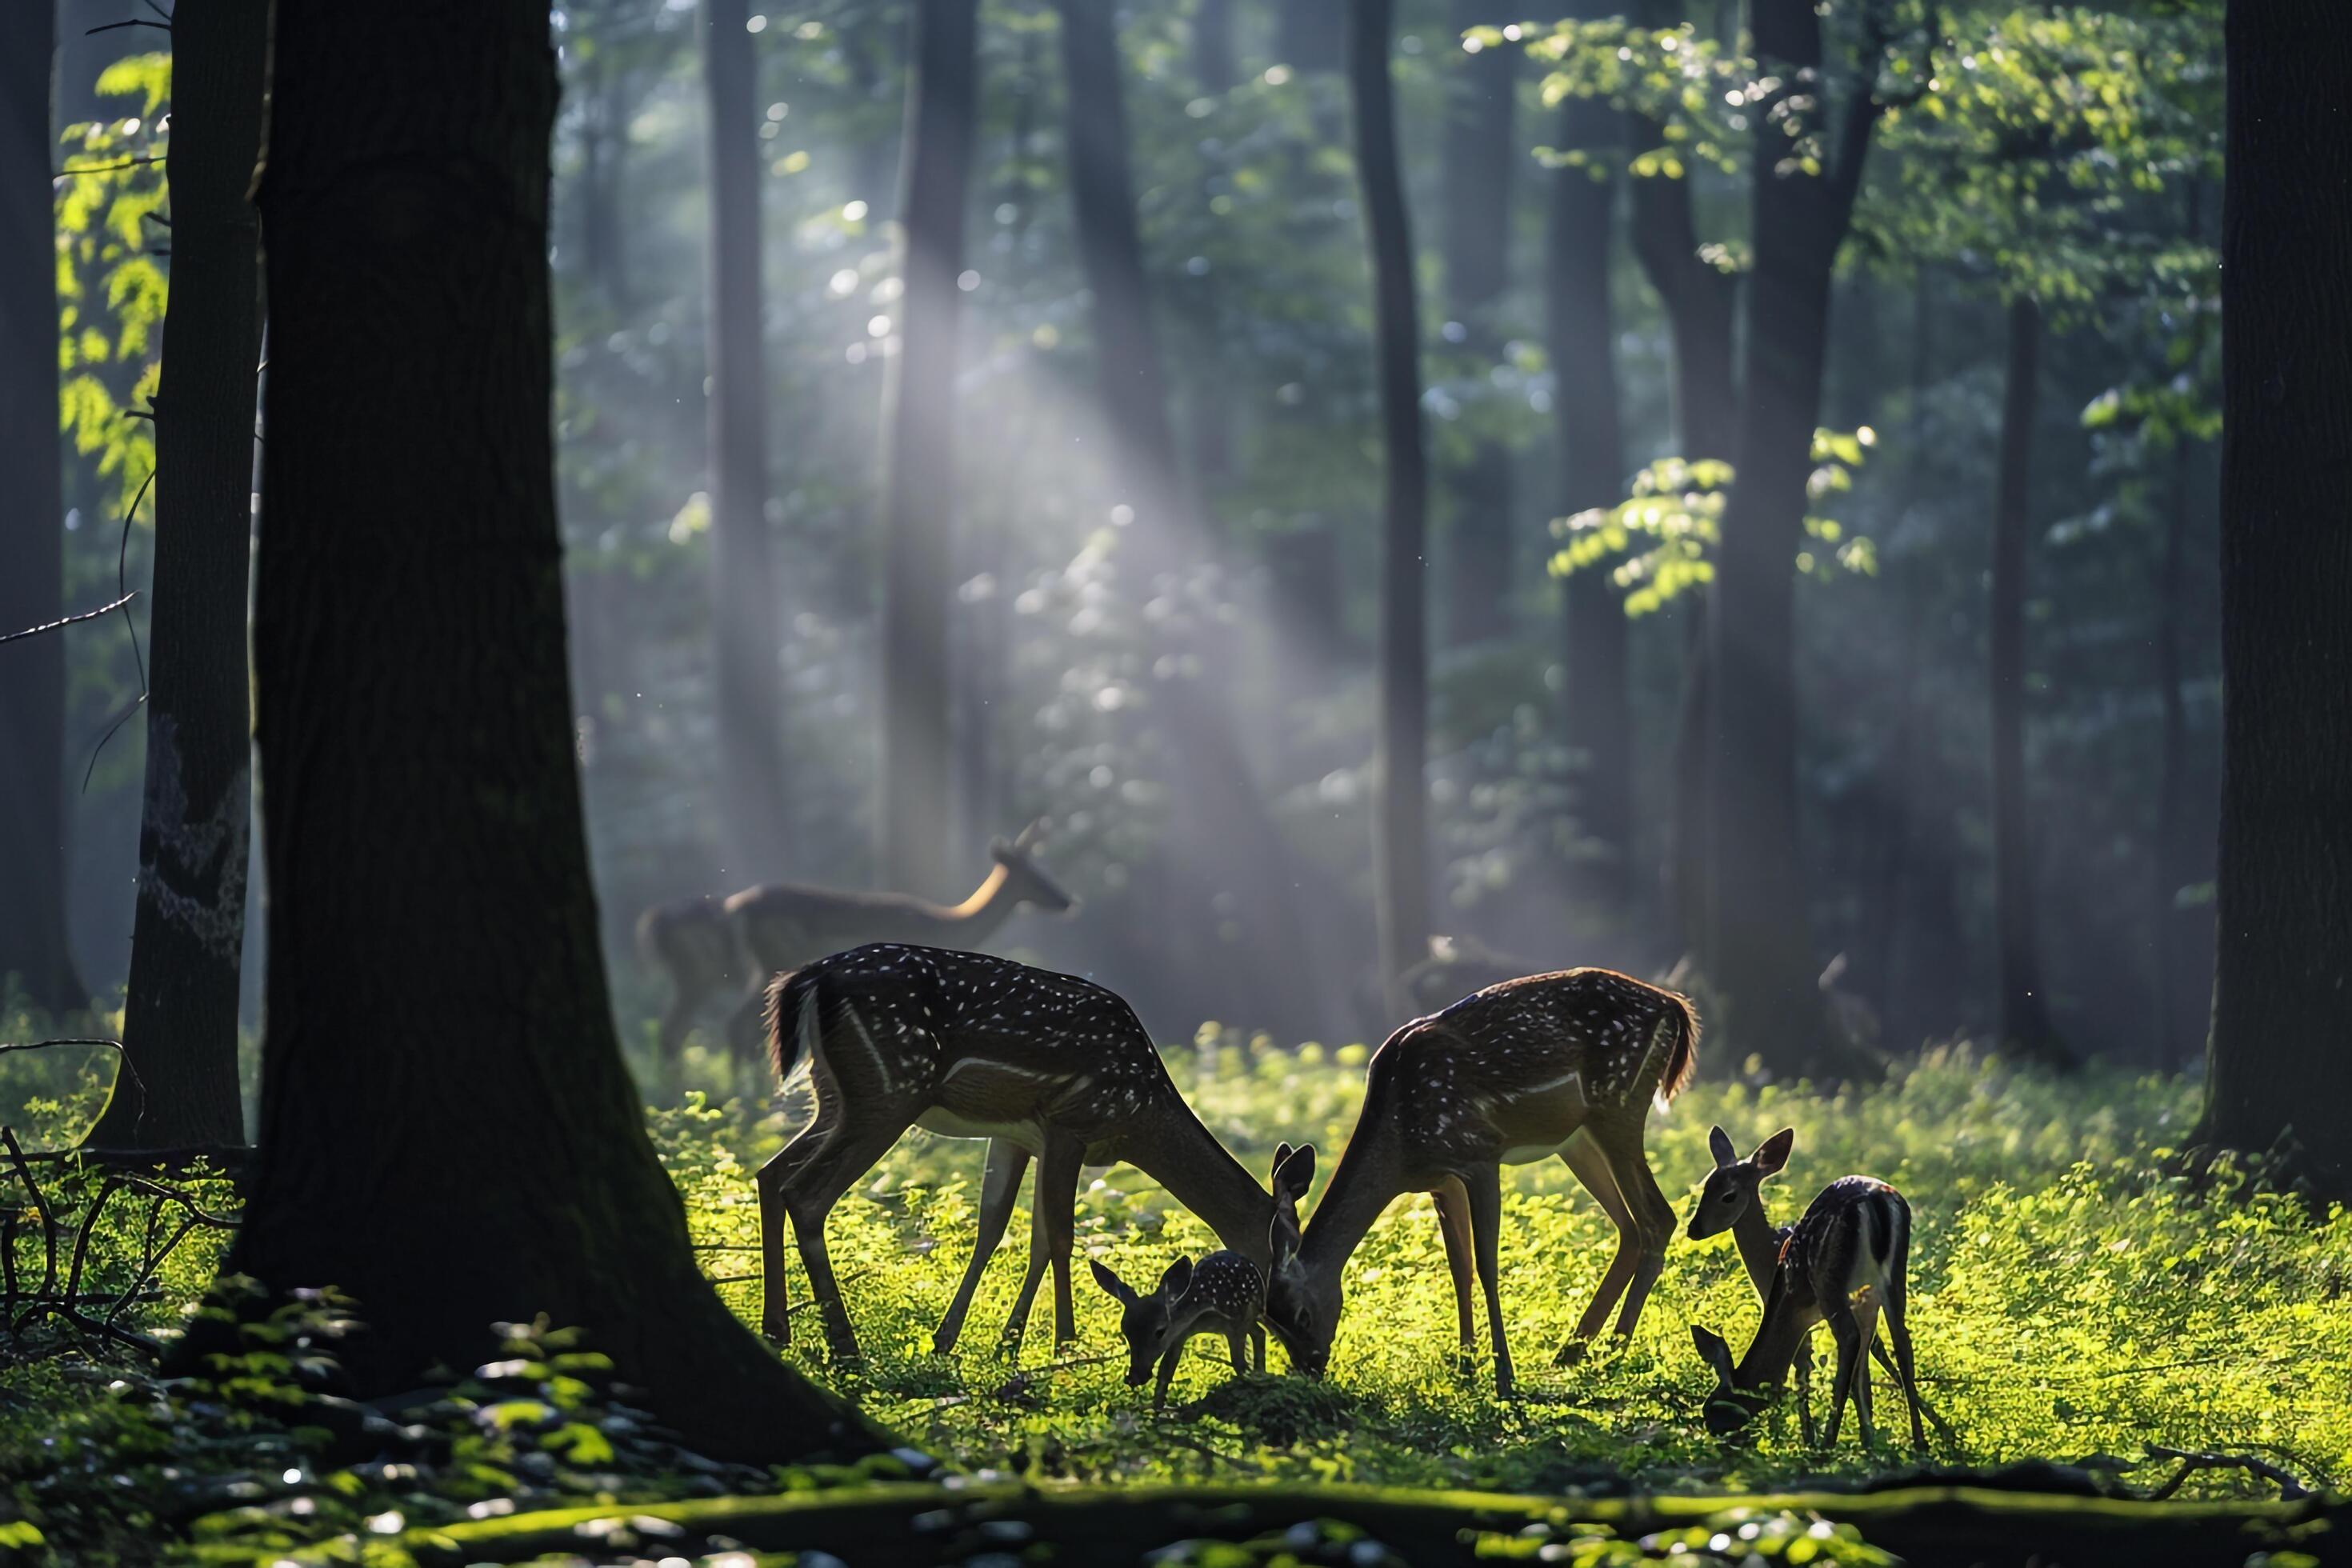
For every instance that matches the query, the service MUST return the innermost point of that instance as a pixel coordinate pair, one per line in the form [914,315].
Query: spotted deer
[711,947]
[1733,1200]
[1046,1066]
[1224,1296]
[1843,1263]
[1563,1064]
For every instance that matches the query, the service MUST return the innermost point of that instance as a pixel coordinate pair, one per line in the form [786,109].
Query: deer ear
[1177,1279]
[1112,1282]
[1294,1173]
[1281,1153]
[1773,1154]
[1719,1143]
[1713,1351]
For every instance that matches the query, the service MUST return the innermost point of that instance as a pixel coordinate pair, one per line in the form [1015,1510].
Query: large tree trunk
[32,530]
[2024,1016]
[755,811]
[1477,155]
[2279,1065]
[1399,832]
[1761,954]
[179,1087]
[1582,333]
[919,503]
[447,1130]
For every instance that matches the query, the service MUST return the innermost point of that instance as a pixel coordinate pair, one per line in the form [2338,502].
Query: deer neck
[977,918]
[1370,1174]
[1777,1338]
[1169,1145]
[1758,1243]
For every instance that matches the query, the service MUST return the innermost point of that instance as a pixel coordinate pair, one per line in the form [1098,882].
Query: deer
[1566,1063]
[708,946]
[1843,1263]
[1225,1295]
[1046,1066]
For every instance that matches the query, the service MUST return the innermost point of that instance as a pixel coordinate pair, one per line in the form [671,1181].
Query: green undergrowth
[2072,1297]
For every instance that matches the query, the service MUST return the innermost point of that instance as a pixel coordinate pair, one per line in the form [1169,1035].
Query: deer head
[1729,1406]
[1731,1185]
[1026,881]
[1146,1322]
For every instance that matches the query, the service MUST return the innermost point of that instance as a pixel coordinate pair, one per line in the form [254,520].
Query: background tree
[1477,156]
[32,591]
[448,1131]
[2279,1073]
[179,1030]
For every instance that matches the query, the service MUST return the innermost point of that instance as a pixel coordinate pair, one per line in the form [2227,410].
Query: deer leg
[1593,1170]
[1257,1347]
[1454,1224]
[1654,1219]
[774,1177]
[1055,1194]
[1898,1329]
[809,1195]
[1007,1162]
[1868,1318]
[1167,1375]
[1802,1382]
[1839,1313]
[1484,1188]
[1237,1342]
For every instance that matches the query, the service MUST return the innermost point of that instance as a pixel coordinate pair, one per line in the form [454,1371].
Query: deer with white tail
[1046,1066]
[1565,1064]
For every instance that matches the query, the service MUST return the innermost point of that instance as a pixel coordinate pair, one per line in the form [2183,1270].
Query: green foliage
[1656,542]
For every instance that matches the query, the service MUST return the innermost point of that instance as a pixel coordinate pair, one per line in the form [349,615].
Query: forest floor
[2074,1304]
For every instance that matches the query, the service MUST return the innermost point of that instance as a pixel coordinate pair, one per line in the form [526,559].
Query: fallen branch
[2291,1489]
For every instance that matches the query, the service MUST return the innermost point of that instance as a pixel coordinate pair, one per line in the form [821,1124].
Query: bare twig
[113,1044]
[106,168]
[134,22]
[70,620]
[106,1191]
[2290,1487]
[40,1202]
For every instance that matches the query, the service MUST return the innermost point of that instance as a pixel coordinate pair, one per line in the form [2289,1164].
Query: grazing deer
[1563,1064]
[1224,1296]
[1046,1066]
[710,947]
[1843,1263]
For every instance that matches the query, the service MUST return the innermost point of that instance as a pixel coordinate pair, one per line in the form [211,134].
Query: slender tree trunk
[1580,326]
[2024,1017]
[1761,955]
[452,1137]
[1400,831]
[1307,33]
[2173,765]
[1212,45]
[179,1087]
[919,504]
[1477,155]
[2279,1067]
[756,809]
[1890,912]
[32,530]
[1210,404]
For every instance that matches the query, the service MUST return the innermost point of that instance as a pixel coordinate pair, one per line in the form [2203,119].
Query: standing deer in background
[1563,1064]
[1843,1263]
[713,947]
[1046,1066]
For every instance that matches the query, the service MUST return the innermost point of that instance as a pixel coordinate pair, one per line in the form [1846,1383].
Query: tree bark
[919,503]
[1477,155]
[1400,831]
[33,947]
[179,1086]
[448,1129]
[1581,327]
[755,809]
[1762,953]
[2172,764]
[2278,1070]
[2024,1016]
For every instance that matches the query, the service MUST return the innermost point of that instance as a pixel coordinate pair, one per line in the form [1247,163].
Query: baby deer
[1843,1263]
[1225,1295]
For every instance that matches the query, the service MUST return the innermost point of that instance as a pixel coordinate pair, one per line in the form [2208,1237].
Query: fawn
[1225,1295]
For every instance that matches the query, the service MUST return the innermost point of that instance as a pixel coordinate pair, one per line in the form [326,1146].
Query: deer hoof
[1570,1354]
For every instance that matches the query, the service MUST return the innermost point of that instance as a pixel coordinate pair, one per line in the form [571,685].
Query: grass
[2069,1297]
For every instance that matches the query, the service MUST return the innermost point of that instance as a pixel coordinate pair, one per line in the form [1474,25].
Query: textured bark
[1581,332]
[2024,1016]
[1761,954]
[448,1129]
[32,531]
[179,1030]
[1399,841]
[2279,1065]
[918,502]
[750,697]
[1477,155]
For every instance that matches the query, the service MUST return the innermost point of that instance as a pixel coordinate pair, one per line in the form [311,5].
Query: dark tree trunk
[919,503]
[1477,155]
[1210,411]
[1761,955]
[2279,1066]
[1581,327]
[32,530]
[1400,831]
[1212,45]
[2024,1015]
[1308,33]
[2172,764]
[179,1032]
[755,809]
[447,1130]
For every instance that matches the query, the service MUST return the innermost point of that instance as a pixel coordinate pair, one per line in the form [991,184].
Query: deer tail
[790,1025]
[1682,1059]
